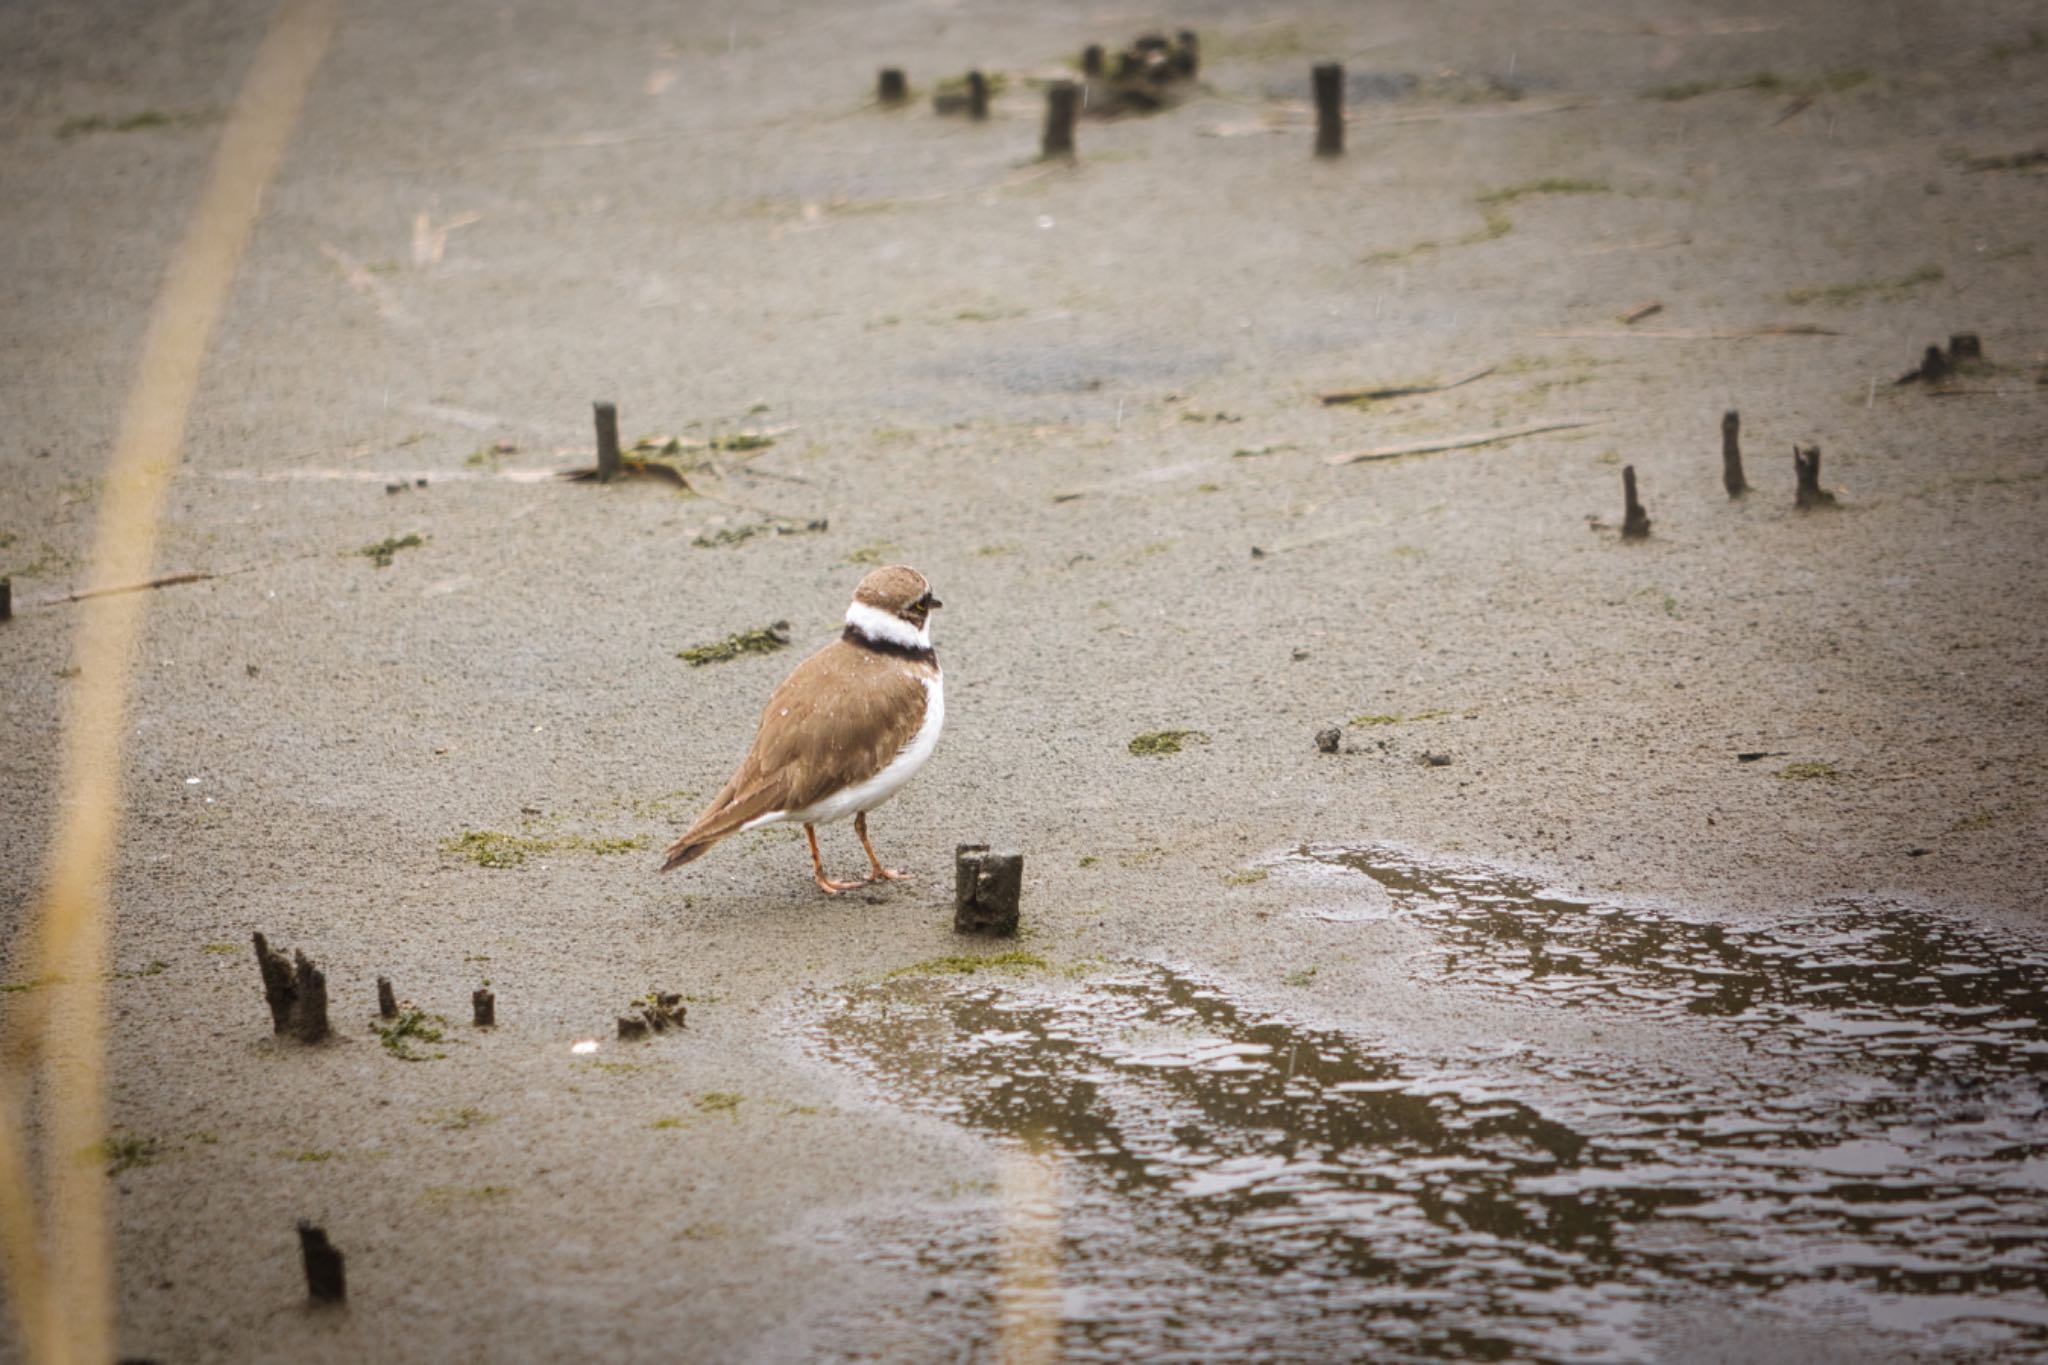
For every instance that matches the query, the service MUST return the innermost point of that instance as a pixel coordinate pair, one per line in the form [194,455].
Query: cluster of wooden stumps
[1807,493]
[1937,366]
[1152,73]
[296,991]
[657,1013]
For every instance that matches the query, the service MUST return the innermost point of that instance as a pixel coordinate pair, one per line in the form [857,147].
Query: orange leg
[825,883]
[881,874]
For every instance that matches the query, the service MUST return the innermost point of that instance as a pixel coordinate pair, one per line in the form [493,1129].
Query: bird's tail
[689,848]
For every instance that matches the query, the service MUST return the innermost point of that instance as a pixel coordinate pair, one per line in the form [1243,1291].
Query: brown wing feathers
[836,720]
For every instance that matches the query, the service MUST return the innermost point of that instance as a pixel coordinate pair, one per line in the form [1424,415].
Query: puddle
[1233,1183]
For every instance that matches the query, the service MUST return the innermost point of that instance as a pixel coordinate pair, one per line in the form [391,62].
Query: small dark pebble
[1918,852]
[419,483]
[1330,740]
[394,488]
[1430,760]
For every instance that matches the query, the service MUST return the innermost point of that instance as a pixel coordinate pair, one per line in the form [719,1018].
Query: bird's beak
[930,603]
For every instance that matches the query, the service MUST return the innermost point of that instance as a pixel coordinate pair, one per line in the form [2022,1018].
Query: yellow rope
[64,1301]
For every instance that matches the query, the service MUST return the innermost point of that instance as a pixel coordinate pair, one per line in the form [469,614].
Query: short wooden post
[1965,348]
[1329,82]
[1091,61]
[891,87]
[1635,522]
[1933,366]
[1806,464]
[484,1008]
[1062,101]
[387,999]
[607,440]
[1731,454]
[1187,56]
[326,1271]
[6,599]
[977,95]
[987,889]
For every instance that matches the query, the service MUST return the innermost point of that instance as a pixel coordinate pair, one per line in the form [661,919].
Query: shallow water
[1230,1181]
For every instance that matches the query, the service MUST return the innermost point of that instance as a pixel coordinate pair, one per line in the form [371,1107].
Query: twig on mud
[169,580]
[1648,308]
[1480,438]
[1769,329]
[1402,391]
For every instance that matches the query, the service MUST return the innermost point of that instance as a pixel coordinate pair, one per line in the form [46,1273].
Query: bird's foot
[832,888]
[890,874]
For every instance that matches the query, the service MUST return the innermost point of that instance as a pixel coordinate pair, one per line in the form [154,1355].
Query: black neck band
[923,654]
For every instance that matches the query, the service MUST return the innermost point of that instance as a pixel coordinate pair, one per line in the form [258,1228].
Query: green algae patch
[967,964]
[381,553]
[1159,743]
[1856,291]
[1810,772]
[765,640]
[125,1152]
[410,1027]
[491,848]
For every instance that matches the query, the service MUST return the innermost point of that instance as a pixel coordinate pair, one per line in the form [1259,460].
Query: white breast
[865,796]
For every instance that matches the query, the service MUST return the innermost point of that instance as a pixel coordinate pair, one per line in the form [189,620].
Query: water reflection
[1239,1184]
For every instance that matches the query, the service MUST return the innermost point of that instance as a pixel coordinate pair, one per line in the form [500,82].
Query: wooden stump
[326,1271]
[1062,102]
[297,992]
[387,999]
[607,415]
[1329,83]
[891,87]
[977,95]
[1635,522]
[484,1008]
[1091,61]
[1964,348]
[1806,464]
[1187,54]
[6,599]
[1731,454]
[987,889]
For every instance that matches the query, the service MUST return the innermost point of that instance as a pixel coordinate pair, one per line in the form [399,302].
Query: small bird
[842,734]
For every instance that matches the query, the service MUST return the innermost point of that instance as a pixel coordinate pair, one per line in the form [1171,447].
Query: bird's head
[894,605]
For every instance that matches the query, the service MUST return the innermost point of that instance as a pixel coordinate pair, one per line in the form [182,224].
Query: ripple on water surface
[1231,1182]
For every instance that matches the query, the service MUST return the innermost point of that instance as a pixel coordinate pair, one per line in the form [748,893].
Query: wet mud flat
[1214,1178]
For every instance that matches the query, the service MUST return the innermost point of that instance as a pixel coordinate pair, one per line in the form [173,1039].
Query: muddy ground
[1084,400]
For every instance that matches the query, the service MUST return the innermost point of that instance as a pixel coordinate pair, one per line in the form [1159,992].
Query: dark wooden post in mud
[6,599]
[1091,61]
[1731,454]
[297,992]
[1933,366]
[607,440]
[977,95]
[891,87]
[987,888]
[1806,464]
[1187,55]
[484,1008]
[387,999]
[326,1270]
[1062,102]
[1329,81]
[1964,348]
[1635,522]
